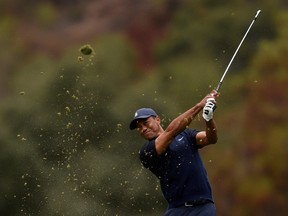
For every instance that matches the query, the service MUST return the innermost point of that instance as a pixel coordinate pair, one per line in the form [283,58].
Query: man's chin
[151,137]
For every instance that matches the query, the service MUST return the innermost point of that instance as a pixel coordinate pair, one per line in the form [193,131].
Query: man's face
[149,128]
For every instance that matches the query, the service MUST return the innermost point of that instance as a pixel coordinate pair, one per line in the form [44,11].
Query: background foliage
[65,144]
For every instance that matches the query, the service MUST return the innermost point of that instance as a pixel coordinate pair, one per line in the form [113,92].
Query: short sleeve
[192,135]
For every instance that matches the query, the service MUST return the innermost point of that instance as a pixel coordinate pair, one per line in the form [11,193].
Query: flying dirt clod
[86,49]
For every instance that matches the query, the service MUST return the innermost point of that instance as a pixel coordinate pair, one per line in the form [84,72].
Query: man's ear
[158,119]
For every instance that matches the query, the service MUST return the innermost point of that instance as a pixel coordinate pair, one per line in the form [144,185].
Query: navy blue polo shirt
[180,169]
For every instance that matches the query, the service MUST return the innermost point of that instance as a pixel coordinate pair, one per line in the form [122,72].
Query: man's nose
[143,129]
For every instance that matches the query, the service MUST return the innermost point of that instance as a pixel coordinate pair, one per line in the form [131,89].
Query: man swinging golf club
[172,155]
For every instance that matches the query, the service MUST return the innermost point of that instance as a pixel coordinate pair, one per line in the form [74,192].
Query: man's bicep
[162,143]
[201,139]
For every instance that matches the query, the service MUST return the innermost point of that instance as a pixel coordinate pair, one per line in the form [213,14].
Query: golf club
[222,78]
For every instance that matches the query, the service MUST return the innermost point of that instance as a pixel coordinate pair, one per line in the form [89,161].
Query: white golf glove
[208,109]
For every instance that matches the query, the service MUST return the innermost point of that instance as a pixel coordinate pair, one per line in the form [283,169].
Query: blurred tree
[265,150]
[60,119]
[215,30]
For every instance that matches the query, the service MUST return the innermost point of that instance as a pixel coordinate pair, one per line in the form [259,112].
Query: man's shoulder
[148,154]
[147,145]
[188,135]
[190,132]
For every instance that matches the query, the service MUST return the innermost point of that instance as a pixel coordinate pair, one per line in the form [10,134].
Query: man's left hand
[208,109]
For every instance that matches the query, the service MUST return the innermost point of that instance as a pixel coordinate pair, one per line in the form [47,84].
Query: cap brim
[133,123]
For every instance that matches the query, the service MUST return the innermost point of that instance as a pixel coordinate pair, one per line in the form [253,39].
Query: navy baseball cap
[142,113]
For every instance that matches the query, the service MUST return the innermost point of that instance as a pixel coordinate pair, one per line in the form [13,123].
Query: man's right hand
[213,94]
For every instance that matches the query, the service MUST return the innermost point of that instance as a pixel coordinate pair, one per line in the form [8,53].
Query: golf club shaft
[222,78]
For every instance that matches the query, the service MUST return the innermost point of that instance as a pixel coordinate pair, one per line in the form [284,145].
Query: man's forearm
[182,121]
[211,132]
[179,124]
[175,127]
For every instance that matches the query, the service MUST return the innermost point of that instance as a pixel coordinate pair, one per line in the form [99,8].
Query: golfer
[173,156]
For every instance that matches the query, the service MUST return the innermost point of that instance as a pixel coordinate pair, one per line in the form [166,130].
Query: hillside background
[65,146]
